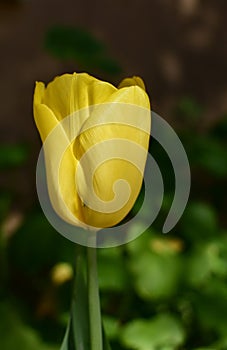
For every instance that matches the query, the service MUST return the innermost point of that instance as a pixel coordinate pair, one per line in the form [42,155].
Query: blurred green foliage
[89,53]
[159,292]
[12,155]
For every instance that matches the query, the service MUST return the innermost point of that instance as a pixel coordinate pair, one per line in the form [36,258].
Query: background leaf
[162,332]
[24,337]
[77,44]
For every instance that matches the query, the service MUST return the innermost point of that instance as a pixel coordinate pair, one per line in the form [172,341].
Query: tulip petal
[45,120]
[122,107]
[96,131]
[39,92]
[104,182]
[132,82]
[69,93]
[60,166]
[133,94]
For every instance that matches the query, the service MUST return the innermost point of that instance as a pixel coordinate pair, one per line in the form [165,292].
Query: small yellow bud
[61,273]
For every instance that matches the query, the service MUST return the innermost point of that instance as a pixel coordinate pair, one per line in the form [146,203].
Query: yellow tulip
[82,120]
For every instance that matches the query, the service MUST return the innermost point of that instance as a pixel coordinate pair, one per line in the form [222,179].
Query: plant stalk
[93,300]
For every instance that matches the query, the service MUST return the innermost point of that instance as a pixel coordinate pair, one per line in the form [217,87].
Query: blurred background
[159,292]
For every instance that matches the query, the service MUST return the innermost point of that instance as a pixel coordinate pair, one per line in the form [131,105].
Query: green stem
[3,264]
[80,317]
[93,300]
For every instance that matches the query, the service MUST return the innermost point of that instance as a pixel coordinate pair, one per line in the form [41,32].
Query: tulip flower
[81,120]
[95,141]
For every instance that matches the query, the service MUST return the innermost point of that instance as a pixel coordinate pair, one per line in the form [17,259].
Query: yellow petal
[100,128]
[45,120]
[114,107]
[71,92]
[132,81]
[39,92]
[105,178]
[60,165]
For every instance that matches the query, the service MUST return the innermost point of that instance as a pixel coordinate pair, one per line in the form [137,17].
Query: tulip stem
[93,300]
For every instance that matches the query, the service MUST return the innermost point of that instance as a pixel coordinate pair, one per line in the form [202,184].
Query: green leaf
[155,276]
[64,345]
[221,344]
[112,279]
[161,332]
[211,307]
[205,349]
[207,259]
[106,345]
[111,325]
[199,221]
[208,153]
[140,244]
[189,108]
[12,155]
[15,334]
[77,336]
[198,266]
[107,64]
[70,42]
[67,42]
